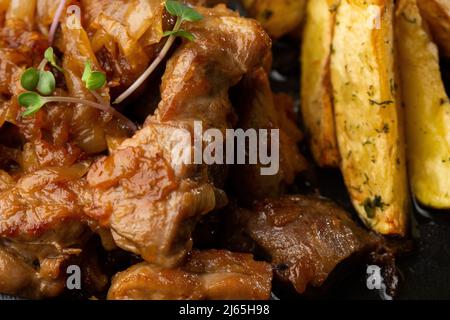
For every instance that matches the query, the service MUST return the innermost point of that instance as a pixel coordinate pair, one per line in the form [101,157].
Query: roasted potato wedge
[437,14]
[316,95]
[427,108]
[279,17]
[368,113]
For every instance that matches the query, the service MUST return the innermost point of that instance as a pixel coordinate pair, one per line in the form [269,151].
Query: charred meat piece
[211,275]
[259,108]
[148,197]
[304,237]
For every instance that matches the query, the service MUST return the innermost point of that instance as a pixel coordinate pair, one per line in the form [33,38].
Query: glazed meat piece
[35,270]
[41,228]
[16,277]
[42,200]
[207,275]
[304,237]
[259,108]
[148,197]
[38,269]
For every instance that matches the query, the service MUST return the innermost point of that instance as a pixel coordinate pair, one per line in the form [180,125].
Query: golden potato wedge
[368,113]
[316,96]
[427,108]
[279,17]
[437,14]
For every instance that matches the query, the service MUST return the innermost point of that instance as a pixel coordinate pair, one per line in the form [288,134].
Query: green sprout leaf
[32,101]
[93,80]
[87,71]
[50,56]
[29,79]
[182,11]
[96,80]
[47,83]
[180,33]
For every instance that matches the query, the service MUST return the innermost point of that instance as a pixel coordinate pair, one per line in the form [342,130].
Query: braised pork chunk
[41,228]
[304,237]
[150,200]
[212,275]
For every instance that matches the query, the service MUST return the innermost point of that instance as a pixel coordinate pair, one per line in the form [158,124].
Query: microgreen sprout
[47,83]
[51,58]
[44,82]
[93,80]
[180,33]
[30,79]
[39,79]
[33,102]
[183,13]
